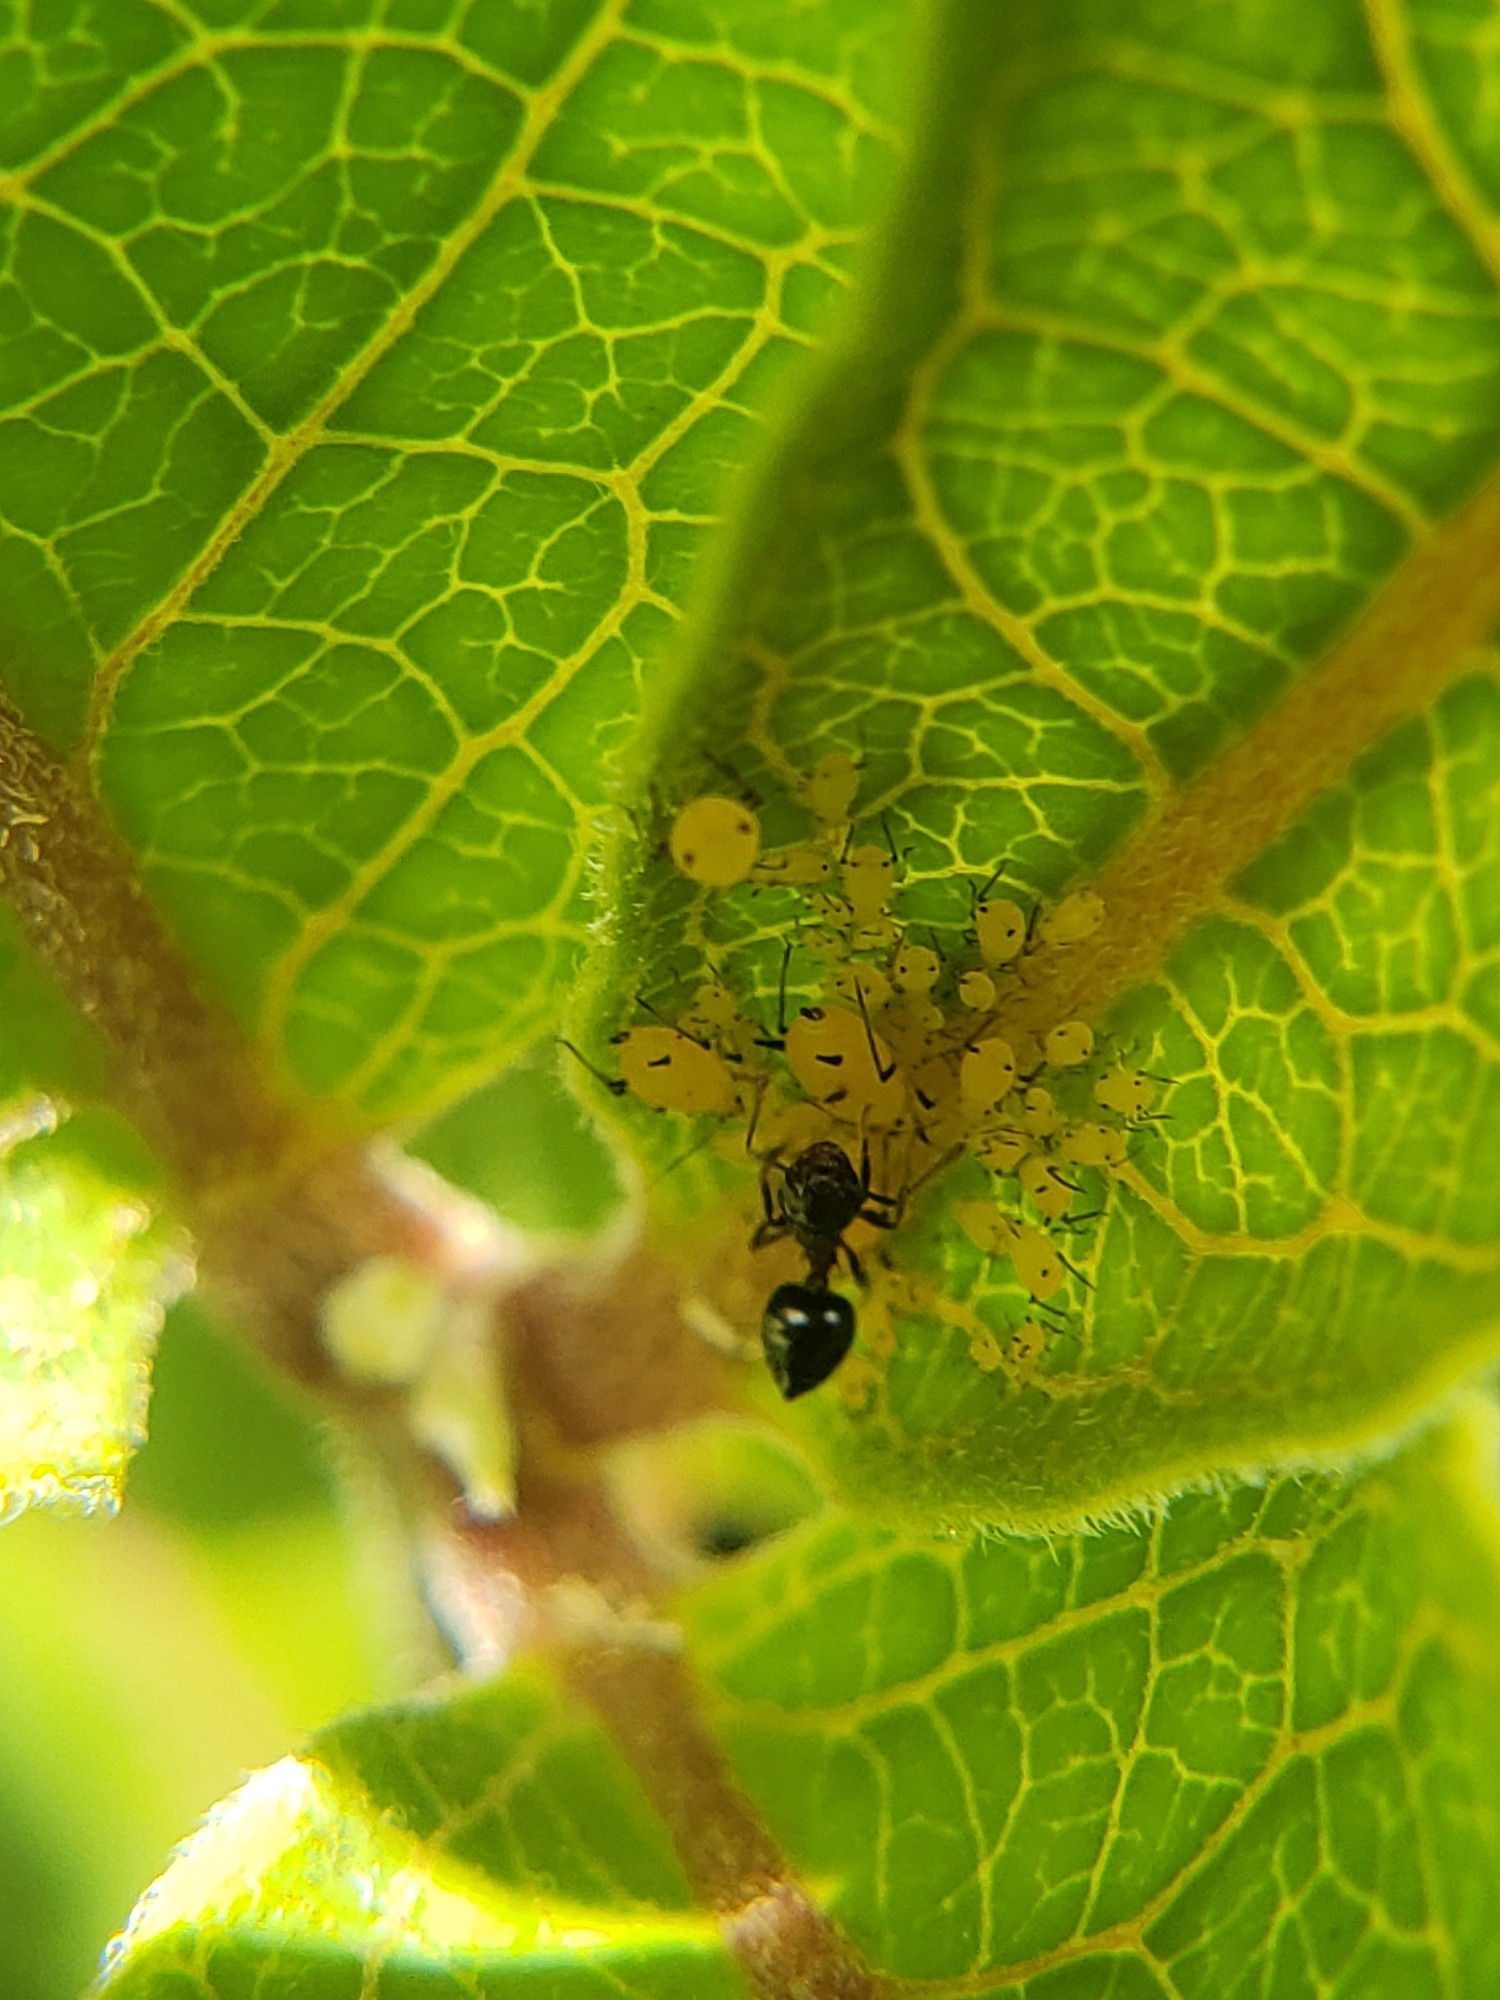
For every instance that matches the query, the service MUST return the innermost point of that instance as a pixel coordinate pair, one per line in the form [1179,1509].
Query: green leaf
[1227,1752]
[1121,539]
[424,1834]
[1246,1748]
[372,378]
[85,1272]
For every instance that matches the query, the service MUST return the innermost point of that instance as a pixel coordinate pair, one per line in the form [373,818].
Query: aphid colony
[860,1098]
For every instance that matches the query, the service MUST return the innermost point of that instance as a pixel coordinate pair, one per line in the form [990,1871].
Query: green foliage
[374,377]
[1240,1749]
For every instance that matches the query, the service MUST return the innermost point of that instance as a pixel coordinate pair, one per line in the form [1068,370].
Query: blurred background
[147,1663]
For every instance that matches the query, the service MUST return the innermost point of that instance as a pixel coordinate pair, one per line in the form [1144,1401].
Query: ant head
[805,1333]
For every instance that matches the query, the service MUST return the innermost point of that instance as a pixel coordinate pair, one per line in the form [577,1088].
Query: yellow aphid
[941,1115]
[985,1352]
[671,1072]
[986,1075]
[849,981]
[1126,1091]
[1045,1188]
[1025,1344]
[1076,917]
[1001,1149]
[714,1006]
[977,991]
[908,1291]
[830,911]
[790,1128]
[936,1077]
[826,946]
[908,1026]
[1094,1146]
[879,934]
[915,969]
[1070,1044]
[1001,927]
[830,790]
[1038,1265]
[986,1226]
[794,867]
[869,876]
[858,1380]
[842,1064]
[1039,1113]
[715,841]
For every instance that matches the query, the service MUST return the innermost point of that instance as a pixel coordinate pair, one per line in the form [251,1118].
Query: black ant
[807,1329]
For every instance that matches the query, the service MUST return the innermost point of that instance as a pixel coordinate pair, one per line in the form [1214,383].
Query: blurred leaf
[84,1277]
[1248,1748]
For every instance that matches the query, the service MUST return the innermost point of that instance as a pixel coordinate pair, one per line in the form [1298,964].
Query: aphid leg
[1087,1283]
[615,1085]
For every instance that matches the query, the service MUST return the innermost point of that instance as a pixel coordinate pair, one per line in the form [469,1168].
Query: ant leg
[772,1230]
[773,1214]
[856,1268]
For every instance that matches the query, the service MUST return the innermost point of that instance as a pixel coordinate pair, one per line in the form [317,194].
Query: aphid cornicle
[715,841]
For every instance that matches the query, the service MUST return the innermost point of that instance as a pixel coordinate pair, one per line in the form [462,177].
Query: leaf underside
[374,374]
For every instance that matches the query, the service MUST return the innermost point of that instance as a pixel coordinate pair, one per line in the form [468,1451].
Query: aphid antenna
[898,856]
[978,895]
[650,1007]
[615,1085]
[745,790]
